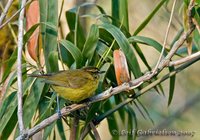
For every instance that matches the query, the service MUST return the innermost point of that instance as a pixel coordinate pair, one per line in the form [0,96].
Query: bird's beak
[101,72]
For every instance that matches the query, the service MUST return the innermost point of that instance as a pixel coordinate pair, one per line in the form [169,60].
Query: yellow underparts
[77,94]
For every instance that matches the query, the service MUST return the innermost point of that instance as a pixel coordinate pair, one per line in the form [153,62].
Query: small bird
[74,85]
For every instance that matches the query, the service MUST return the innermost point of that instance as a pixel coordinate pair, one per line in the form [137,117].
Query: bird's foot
[59,114]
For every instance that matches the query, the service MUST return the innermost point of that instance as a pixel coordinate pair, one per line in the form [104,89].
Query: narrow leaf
[171,86]
[91,43]
[149,17]
[74,51]
[124,45]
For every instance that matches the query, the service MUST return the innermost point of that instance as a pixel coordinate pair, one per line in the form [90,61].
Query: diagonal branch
[5,11]
[15,14]
[185,59]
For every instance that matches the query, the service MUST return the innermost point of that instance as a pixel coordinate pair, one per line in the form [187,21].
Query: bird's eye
[96,76]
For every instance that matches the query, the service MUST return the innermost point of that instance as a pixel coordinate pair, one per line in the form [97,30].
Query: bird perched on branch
[74,85]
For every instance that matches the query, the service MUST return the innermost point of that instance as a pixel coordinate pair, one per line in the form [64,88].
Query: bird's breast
[77,94]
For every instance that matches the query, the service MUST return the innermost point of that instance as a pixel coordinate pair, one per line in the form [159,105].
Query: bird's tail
[46,77]
[39,76]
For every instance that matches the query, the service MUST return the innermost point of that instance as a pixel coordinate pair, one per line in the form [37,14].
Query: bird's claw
[59,114]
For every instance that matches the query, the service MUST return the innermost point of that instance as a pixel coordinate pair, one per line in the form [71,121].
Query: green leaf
[132,122]
[115,10]
[91,43]
[196,40]
[140,53]
[31,102]
[102,78]
[6,102]
[67,58]
[141,112]
[34,27]
[74,51]
[112,121]
[75,27]
[61,130]
[124,45]
[48,130]
[9,64]
[183,51]
[118,100]
[30,32]
[10,126]
[149,17]
[53,59]
[8,113]
[123,13]
[45,107]
[102,48]
[147,41]
[49,14]
[171,86]
[146,111]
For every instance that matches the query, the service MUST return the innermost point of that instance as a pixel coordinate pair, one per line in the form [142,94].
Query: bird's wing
[69,79]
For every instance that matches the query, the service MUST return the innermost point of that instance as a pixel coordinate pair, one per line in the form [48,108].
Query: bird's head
[93,71]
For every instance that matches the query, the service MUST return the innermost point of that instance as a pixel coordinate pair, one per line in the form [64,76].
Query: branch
[183,60]
[5,11]
[196,24]
[73,130]
[7,21]
[165,40]
[19,69]
[190,7]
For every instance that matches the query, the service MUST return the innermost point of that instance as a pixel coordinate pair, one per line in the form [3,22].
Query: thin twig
[190,7]
[165,40]
[185,59]
[10,27]
[86,130]
[19,68]
[5,11]
[196,24]
[73,130]
[7,21]
[96,134]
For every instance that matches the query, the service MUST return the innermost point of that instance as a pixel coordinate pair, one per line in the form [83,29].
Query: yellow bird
[74,85]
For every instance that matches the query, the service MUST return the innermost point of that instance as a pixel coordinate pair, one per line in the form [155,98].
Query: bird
[74,84]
